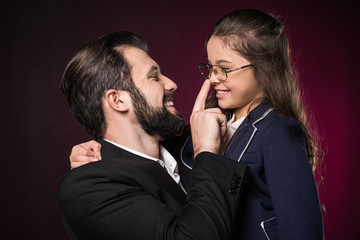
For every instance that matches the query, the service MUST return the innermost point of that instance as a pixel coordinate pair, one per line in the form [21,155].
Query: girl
[250,70]
[254,84]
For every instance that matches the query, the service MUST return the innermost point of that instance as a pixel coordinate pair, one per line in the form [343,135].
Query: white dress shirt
[232,126]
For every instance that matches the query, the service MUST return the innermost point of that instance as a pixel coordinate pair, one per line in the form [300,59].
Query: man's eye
[155,77]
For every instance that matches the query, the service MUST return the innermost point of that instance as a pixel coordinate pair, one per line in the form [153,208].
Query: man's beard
[156,121]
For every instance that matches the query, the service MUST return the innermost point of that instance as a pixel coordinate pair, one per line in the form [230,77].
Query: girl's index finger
[200,101]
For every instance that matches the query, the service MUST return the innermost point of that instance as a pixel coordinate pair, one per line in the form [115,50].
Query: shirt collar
[166,159]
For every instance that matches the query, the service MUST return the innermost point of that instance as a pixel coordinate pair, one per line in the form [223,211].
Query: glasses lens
[219,73]
[204,69]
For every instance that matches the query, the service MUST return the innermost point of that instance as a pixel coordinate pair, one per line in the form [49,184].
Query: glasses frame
[226,71]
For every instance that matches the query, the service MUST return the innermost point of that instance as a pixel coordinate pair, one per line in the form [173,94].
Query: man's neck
[143,143]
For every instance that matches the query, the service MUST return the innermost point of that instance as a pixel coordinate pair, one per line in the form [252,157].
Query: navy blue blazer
[280,199]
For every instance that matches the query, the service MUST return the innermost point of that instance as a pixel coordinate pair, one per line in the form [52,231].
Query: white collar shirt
[232,126]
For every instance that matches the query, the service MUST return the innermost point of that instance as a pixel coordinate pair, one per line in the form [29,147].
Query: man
[119,95]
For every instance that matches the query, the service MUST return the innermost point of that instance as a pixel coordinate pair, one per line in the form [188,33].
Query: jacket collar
[258,112]
[243,136]
[152,168]
[239,141]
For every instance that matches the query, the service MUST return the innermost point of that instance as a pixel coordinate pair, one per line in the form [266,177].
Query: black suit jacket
[125,196]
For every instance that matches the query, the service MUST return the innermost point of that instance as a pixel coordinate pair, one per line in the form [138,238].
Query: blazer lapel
[160,176]
[245,133]
[152,168]
[184,172]
[240,140]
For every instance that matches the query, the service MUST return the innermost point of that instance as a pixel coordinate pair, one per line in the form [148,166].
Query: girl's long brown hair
[260,38]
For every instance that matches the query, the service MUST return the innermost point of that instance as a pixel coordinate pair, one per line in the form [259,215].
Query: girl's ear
[118,100]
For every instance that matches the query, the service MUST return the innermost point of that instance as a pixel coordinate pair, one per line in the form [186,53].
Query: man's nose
[169,85]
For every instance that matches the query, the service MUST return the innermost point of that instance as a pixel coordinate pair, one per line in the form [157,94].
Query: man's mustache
[169,95]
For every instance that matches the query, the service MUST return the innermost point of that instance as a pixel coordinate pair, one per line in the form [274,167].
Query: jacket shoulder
[274,122]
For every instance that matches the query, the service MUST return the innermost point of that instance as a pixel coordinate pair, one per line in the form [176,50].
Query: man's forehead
[137,58]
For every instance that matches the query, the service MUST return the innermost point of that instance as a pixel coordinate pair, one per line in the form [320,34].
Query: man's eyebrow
[153,69]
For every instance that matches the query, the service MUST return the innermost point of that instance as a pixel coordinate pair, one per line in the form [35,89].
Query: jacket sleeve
[100,204]
[291,182]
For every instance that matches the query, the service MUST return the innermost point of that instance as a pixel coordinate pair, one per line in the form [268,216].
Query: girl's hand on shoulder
[84,153]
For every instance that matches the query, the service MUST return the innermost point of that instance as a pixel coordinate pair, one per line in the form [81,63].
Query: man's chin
[178,124]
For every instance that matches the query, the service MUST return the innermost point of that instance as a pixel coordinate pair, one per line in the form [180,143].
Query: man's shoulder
[86,175]
[115,164]
[97,178]
[114,161]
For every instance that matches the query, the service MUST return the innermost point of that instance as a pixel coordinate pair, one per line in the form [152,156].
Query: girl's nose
[213,79]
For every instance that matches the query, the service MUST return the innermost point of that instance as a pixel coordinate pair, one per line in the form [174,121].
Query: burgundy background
[37,40]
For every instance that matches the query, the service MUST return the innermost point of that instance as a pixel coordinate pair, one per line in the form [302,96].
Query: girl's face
[240,88]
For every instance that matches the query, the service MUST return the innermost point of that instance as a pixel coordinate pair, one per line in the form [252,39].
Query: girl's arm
[291,182]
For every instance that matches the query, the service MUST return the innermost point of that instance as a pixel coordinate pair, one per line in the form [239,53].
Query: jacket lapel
[240,140]
[152,168]
[163,179]
[245,133]
[174,145]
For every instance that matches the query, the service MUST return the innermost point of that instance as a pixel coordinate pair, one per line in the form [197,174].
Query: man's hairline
[123,48]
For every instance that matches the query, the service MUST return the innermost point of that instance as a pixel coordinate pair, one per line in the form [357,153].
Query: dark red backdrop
[37,40]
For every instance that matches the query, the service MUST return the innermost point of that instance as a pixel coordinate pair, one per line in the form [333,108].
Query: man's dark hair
[94,69]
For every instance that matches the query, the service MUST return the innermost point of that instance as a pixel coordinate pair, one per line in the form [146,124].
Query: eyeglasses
[220,73]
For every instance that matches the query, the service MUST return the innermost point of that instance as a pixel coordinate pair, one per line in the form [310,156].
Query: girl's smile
[239,89]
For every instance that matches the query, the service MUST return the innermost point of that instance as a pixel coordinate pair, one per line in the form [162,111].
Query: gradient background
[38,38]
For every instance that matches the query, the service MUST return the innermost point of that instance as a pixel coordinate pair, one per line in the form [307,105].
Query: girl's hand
[85,153]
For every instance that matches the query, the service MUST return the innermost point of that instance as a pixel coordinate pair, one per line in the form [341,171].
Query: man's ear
[117,100]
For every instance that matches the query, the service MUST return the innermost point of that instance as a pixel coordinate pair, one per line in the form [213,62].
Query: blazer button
[232,191]
[235,181]
[236,177]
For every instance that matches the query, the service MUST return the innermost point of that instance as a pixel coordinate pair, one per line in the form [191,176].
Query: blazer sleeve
[101,204]
[291,182]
